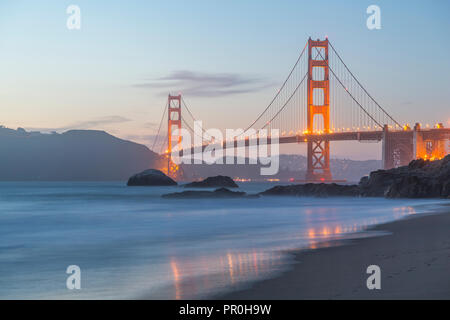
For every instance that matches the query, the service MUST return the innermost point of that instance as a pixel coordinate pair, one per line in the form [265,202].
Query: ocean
[130,243]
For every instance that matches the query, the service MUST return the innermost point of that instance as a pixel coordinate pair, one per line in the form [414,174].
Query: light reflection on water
[233,269]
[130,243]
[229,270]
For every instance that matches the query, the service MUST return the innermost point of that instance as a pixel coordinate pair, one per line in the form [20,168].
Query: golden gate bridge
[320,101]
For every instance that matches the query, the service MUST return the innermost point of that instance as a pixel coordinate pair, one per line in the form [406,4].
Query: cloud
[206,84]
[150,125]
[151,141]
[150,138]
[89,124]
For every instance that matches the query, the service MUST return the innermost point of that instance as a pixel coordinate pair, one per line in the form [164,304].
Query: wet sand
[414,259]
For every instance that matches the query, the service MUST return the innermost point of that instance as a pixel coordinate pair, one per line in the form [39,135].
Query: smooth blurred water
[131,243]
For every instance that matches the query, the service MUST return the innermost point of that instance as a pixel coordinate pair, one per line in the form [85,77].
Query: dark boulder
[151,177]
[213,182]
[218,193]
[313,190]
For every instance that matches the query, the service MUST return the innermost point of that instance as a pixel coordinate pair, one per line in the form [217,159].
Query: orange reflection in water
[176,279]
[230,266]
[403,211]
[324,232]
[212,273]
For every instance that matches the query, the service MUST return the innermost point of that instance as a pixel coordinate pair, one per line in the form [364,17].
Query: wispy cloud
[206,84]
[150,125]
[151,141]
[84,125]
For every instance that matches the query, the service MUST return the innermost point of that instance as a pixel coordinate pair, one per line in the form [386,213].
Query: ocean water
[130,243]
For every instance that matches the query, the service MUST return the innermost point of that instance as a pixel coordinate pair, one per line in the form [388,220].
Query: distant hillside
[291,166]
[79,155]
[350,170]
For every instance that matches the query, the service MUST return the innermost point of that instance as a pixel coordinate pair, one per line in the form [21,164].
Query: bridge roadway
[427,134]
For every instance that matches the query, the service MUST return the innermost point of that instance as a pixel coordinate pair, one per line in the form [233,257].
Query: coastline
[413,254]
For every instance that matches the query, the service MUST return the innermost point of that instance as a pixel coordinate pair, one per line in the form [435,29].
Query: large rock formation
[213,182]
[313,189]
[151,177]
[218,193]
[419,179]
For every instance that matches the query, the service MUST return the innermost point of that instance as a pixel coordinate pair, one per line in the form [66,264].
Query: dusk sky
[114,73]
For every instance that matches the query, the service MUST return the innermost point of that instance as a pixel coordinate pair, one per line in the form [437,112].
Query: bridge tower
[173,119]
[318,150]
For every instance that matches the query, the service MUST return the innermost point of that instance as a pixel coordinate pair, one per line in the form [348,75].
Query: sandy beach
[414,258]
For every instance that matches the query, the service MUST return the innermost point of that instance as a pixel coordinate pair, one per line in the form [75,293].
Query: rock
[218,193]
[376,184]
[312,189]
[420,179]
[213,182]
[151,177]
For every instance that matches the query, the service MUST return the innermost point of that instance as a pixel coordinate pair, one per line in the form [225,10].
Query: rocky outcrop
[313,190]
[151,177]
[213,182]
[376,184]
[218,193]
[419,179]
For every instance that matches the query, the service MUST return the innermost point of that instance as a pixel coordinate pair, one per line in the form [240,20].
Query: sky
[227,58]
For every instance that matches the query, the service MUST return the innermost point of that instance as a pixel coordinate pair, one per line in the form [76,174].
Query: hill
[76,155]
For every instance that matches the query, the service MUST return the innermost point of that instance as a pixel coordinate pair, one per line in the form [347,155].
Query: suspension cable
[337,54]
[160,125]
[190,128]
[281,88]
[192,116]
[286,103]
[339,80]
[189,111]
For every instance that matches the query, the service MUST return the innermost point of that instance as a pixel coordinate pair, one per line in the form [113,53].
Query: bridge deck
[428,134]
